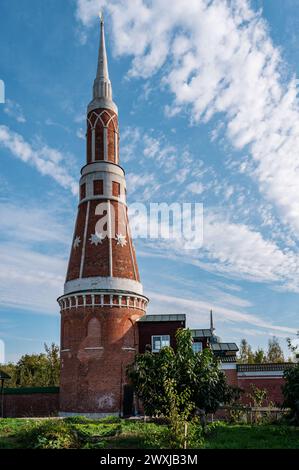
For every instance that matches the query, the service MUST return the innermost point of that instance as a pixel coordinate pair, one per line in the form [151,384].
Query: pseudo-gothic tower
[103,296]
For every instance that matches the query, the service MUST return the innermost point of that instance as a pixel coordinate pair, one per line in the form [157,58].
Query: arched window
[94,331]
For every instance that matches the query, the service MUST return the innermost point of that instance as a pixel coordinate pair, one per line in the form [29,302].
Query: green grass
[114,433]
[228,436]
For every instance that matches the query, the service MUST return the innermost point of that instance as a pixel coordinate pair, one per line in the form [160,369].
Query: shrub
[291,392]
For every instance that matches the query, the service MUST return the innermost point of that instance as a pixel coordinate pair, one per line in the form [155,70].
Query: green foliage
[227,436]
[248,356]
[291,392]
[59,433]
[258,396]
[275,353]
[180,409]
[21,433]
[35,370]
[49,434]
[197,374]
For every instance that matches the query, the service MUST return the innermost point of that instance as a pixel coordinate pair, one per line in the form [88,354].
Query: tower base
[69,414]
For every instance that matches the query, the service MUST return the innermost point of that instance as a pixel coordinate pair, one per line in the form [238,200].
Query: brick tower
[103,296]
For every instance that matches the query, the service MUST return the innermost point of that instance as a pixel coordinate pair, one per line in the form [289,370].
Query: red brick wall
[30,405]
[92,379]
[272,385]
[231,377]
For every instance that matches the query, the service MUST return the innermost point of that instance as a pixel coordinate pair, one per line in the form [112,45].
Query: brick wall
[273,386]
[31,402]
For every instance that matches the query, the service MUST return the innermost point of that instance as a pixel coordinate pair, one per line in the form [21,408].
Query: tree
[245,353]
[291,391]
[196,374]
[259,356]
[35,370]
[275,353]
[293,348]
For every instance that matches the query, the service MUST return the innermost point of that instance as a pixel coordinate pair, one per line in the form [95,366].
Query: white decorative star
[77,242]
[96,238]
[121,239]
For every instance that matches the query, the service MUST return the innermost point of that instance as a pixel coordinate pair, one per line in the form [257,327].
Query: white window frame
[163,338]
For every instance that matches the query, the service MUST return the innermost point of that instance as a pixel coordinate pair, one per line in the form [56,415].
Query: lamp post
[3,376]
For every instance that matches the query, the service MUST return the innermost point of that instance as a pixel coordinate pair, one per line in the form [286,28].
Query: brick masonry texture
[99,344]
[30,405]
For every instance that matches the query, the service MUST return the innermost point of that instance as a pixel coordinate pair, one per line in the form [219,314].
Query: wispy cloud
[220,59]
[48,161]
[14,110]
[31,268]
[198,311]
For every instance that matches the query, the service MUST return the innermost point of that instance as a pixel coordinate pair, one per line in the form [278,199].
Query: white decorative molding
[105,283]
[140,302]
[261,374]
[96,347]
[84,239]
[93,144]
[101,165]
[110,241]
[228,366]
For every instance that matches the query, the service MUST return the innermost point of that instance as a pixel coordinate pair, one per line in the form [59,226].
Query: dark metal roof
[224,347]
[228,359]
[264,367]
[4,376]
[202,333]
[161,318]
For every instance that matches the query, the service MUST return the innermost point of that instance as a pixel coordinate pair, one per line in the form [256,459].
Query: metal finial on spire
[102,89]
[211,321]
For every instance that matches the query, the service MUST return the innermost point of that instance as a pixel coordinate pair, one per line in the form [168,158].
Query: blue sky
[208,112]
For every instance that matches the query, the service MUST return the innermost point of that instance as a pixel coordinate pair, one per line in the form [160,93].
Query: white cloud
[235,251]
[30,280]
[195,187]
[200,309]
[46,160]
[31,277]
[26,224]
[80,134]
[14,110]
[220,59]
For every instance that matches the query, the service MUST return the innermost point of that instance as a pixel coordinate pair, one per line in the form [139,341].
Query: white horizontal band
[66,414]
[106,283]
[260,374]
[101,165]
[102,103]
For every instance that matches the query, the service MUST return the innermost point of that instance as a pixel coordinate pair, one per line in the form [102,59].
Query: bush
[291,392]
[49,434]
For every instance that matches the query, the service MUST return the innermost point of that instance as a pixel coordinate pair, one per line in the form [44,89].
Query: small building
[158,331]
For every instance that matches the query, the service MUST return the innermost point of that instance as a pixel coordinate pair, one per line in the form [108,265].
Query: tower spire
[211,322]
[102,88]
[102,71]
